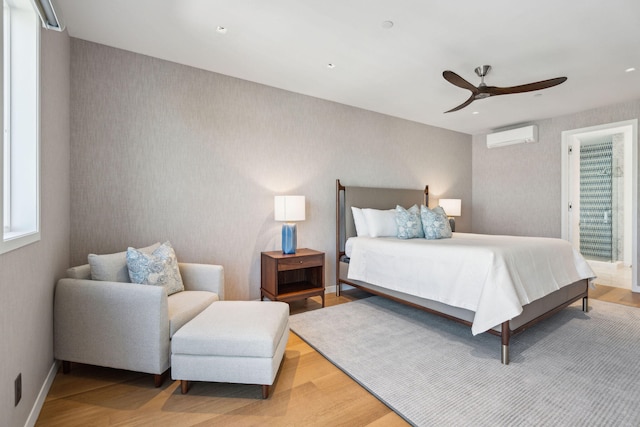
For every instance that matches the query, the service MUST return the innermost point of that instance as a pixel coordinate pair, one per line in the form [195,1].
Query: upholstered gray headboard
[369,197]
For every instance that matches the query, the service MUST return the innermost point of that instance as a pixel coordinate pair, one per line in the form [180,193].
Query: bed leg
[338,289]
[585,304]
[505,335]
[505,354]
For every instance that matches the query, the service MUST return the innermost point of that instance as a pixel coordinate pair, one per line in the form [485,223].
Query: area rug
[574,369]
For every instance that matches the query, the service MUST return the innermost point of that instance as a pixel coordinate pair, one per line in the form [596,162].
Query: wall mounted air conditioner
[513,136]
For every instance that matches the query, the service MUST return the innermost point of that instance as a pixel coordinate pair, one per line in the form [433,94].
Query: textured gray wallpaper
[517,189]
[28,274]
[161,151]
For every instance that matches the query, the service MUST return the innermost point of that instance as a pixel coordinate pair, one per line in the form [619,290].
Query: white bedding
[494,276]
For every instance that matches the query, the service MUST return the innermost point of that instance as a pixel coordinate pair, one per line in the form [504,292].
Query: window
[20,155]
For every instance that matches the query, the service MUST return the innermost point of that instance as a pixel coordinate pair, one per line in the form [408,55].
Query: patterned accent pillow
[409,222]
[435,223]
[159,268]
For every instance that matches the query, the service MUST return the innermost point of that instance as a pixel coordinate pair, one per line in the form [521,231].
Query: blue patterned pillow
[408,222]
[159,268]
[435,223]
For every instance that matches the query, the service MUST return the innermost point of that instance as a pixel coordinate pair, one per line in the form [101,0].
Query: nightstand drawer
[300,262]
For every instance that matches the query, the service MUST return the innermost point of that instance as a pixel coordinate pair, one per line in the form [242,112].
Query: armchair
[127,325]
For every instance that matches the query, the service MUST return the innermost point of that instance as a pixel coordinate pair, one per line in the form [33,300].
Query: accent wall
[162,151]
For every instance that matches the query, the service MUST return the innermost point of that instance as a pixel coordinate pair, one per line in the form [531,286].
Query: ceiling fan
[484,91]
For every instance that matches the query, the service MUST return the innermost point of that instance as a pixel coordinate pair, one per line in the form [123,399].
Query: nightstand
[292,277]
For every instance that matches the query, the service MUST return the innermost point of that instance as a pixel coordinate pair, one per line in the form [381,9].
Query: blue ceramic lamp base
[289,238]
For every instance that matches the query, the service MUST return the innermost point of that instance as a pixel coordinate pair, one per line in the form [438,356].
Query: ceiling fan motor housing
[483,70]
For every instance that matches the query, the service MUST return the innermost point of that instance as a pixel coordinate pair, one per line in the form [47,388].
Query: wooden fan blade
[456,80]
[464,104]
[544,84]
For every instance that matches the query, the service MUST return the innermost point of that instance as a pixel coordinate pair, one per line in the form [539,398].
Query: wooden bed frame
[388,198]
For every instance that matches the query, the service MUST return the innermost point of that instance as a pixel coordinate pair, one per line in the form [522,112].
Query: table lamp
[289,209]
[452,207]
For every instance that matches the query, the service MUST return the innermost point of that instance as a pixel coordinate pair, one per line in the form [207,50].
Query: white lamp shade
[289,208]
[452,207]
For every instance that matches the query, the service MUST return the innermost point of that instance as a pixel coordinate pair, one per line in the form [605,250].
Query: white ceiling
[397,71]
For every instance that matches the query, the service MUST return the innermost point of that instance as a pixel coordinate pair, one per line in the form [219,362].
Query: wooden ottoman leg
[158,379]
[265,391]
[184,386]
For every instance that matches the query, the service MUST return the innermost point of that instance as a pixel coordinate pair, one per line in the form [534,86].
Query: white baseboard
[345,287]
[44,390]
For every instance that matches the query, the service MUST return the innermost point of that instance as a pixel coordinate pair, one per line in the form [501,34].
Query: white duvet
[494,276]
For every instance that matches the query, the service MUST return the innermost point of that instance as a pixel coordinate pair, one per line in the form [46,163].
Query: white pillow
[361,224]
[381,223]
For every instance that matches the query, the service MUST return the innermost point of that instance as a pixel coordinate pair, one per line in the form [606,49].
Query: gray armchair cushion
[184,306]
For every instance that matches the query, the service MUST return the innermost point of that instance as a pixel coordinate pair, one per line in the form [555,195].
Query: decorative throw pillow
[435,223]
[408,222]
[159,268]
[360,222]
[113,267]
[381,223]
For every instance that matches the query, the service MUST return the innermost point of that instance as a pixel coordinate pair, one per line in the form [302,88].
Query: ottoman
[232,342]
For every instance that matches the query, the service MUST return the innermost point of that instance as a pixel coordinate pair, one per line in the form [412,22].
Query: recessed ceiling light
[221,30]
[331,65]
[387,24]
[476,112]
[628,70]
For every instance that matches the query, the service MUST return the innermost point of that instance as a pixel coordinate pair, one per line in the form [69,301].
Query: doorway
[599,199]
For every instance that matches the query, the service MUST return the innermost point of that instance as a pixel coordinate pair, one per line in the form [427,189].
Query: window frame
[21,218]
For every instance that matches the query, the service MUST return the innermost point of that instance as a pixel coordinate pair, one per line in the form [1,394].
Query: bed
[500,285]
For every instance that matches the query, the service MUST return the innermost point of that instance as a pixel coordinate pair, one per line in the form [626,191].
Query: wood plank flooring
[615,295]
[309,390]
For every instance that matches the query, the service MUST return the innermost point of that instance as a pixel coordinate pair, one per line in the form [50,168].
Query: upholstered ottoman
[232,342]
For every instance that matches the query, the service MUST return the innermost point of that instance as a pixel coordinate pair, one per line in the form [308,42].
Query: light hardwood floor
[309,390]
